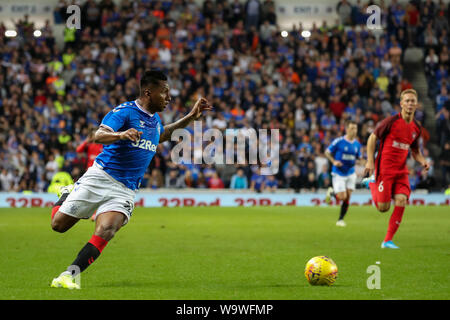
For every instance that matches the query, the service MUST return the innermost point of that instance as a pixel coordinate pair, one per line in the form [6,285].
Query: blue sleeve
[333,146]
[359,151]
[115,119]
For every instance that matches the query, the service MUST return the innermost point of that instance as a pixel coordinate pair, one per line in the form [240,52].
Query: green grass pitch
[230,253]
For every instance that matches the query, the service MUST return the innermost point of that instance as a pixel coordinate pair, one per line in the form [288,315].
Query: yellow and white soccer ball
[321,271]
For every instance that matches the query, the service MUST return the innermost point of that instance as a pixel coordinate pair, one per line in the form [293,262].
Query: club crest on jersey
[414,135]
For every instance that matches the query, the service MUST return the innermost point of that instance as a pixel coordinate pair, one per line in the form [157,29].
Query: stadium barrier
[222,198]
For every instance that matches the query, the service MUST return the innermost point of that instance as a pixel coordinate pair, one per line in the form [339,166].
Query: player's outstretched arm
[197,111]
[370,164]
[105,136]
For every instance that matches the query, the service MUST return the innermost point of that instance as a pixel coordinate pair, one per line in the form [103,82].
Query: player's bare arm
[330,157]
[107,136]
[361,161]
[418,156]
[370,164]
[197,111]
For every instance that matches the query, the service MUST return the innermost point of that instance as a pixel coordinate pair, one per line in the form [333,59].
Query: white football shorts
[343,183]
[96,191]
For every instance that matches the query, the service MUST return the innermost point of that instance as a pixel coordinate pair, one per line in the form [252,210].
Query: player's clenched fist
[131,134]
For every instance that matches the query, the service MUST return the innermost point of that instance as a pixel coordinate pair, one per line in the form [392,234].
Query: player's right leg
[402,191]
[340,190]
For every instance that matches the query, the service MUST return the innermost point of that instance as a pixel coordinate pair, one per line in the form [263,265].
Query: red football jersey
[396,138]
[92,150]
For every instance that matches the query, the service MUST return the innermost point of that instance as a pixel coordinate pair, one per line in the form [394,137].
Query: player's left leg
[400,201]
[401,191]
[107,224]
[344,208]
[350,185]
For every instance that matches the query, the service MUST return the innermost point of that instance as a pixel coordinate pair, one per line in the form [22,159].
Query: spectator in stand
[239,180]
[215,182]
[412,18]
[270,184]
[296,182]
[443,126]
[253,12]
[257,181]
[344,10]
[173,180]
[444,159]
[254,78]
[311,183]
[6,180]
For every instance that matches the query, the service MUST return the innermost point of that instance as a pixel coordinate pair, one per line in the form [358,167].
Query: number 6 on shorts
[380,187]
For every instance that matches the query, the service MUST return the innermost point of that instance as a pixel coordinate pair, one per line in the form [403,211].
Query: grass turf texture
[229,253]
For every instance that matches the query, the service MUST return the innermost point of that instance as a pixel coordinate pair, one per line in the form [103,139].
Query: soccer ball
[321,271]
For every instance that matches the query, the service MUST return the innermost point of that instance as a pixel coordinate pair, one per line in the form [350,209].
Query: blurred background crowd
[232,52]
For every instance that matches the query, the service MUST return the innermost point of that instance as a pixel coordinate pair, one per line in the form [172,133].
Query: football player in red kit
[397,135]
[91,148]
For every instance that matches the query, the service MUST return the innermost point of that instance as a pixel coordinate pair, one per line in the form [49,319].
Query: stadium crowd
[232,53]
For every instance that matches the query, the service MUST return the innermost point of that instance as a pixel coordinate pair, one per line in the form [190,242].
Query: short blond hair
[412,91]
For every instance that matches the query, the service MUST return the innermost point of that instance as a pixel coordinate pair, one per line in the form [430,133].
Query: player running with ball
[130,133]
[397,135]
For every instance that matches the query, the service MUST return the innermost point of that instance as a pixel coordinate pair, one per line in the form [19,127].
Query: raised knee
[400,202]
[383,208]
[58,227]
[342,196]
[105,231]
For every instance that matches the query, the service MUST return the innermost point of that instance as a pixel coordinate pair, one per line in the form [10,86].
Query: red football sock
[394,222]
[373,189]
[55,210]
[98,242]
[89,253]
[337,199]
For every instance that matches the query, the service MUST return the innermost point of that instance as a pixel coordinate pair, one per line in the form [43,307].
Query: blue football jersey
[125,160]
[346,152]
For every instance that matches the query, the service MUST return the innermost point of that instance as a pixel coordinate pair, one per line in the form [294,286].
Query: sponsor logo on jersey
[400,145]
[145,144]
[346,156]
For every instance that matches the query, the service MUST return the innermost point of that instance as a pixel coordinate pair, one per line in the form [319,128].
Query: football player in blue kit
[343,153]
[130,134]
